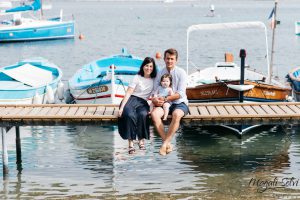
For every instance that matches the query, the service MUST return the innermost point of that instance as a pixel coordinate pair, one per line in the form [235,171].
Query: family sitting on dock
[166,91]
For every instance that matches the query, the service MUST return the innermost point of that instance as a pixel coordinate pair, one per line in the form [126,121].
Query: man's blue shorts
[182,106]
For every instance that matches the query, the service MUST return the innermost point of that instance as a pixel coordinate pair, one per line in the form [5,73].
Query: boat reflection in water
[263,156]
[93,162]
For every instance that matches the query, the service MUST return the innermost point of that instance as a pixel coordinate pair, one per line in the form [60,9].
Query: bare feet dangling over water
[169,148]
[165,149]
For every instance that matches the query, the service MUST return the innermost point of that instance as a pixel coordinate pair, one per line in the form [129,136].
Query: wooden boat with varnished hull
[226,81]
[221,91]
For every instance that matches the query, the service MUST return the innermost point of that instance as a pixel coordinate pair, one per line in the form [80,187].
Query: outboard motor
[69,99]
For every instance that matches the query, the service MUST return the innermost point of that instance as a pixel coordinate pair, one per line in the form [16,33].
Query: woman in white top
[133,122]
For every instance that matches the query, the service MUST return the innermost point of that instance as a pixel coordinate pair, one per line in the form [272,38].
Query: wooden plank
[193,110]
[62,111]
[203,111]
[240,110]
[100,111]
[230,109]
[286,109]
[24,111]
[267,109]
[250,110]
[116,111]
[277,109]
[212,110]
[71,111]
[53,111]
[81,111]
[294,108]
[259,110]
[14,111]
[45,110]
[5,111]
[90,111]
[222,110]
[109,111]
[35,111]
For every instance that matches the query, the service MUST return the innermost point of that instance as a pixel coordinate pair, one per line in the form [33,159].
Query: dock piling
[4,152]
[18,149]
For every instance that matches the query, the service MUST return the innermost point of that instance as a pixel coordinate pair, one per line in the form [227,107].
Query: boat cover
[36,5]
[30,75]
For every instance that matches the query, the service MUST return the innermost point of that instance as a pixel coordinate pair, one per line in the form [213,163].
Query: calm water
[92,162]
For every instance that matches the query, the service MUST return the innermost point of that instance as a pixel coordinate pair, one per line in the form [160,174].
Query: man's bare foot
[169,148]
[163,150]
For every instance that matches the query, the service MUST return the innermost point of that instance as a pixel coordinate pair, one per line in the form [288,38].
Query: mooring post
[242,56]
[18,149]
[4,152]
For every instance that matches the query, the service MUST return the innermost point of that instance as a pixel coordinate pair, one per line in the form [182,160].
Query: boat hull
[297,28]
[294,79]
[17,86]
[49,30]
[29,99]
[101,94]
[221,92]
[104,81]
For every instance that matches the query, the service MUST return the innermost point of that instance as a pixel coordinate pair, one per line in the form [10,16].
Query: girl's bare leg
[166,107]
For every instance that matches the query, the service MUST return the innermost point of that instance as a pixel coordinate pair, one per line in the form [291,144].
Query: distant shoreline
[161,1]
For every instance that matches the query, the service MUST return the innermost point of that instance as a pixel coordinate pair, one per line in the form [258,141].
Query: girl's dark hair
[169,76]
[146,61]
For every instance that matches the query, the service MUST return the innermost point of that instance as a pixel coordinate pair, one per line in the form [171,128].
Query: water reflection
[221,153]
[232,162]
[93,162]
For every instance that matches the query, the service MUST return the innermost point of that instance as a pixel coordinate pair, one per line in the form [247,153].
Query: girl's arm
[126,97]
[170,92]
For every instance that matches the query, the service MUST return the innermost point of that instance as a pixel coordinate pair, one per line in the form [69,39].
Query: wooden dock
[201,113]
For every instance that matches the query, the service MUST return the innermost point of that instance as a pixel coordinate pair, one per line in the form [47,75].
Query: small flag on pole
[272,17]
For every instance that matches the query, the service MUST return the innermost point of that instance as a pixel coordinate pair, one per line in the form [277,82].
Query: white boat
[15,27]
[5,4]
[30,81]
[297,28]
[226,81]
[168,1]
[103,81]
[222,82]
[294,78]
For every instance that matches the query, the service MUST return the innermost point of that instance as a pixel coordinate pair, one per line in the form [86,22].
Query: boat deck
[200,114]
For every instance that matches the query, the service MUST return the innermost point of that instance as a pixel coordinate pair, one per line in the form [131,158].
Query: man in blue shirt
[179,100]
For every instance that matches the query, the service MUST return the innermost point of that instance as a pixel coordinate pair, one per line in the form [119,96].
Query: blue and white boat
[294,78]
[104,81]
[30,81]
[21,28]
[297,28]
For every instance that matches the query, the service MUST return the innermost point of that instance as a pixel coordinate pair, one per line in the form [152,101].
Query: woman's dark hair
[169,76]
[146,61]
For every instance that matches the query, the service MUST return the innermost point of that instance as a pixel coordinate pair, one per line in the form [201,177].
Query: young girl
[164,90]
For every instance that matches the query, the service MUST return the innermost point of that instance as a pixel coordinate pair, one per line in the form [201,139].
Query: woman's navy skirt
[134,122]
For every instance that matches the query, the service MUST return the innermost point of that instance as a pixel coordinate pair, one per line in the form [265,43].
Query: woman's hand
[158,101]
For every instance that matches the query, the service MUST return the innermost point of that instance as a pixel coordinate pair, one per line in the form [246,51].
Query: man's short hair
[171,51]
